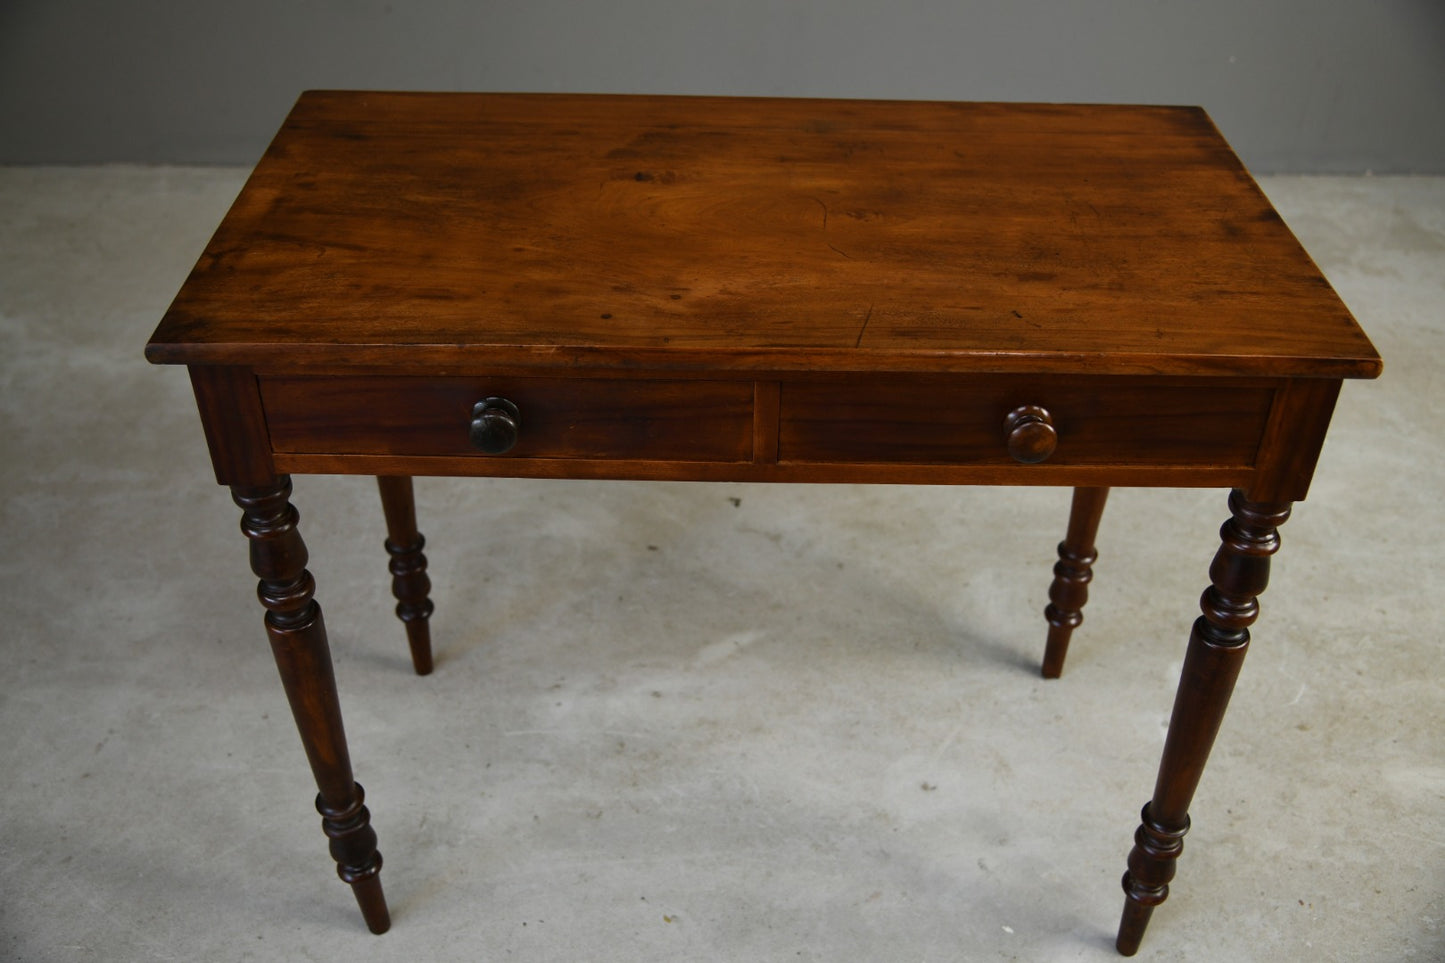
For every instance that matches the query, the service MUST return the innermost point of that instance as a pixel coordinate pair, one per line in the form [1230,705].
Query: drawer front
[582,418]
[1105,421]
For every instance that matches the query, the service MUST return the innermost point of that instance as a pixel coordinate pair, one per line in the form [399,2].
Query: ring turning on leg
[409,581]
[298,642]
[1072,574]
[1216,650]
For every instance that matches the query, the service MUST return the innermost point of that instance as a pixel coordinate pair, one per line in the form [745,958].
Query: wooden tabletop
[456,230]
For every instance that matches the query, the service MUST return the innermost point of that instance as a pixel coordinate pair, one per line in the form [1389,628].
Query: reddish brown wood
[1072,574]
[1113,421]
[409,581]
[1216,651]
[235,424]
[876,472]
[1029,434]
[1292,439]
[592,418]
[708,233]
[1107,421]
[496,425]
[765,290]
[766,398]
[298,642]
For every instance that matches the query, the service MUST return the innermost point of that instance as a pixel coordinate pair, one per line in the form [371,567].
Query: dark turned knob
[495,423]
[1031,435]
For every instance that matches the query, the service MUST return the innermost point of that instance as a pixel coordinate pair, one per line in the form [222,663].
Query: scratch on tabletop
[825,212]
[859,342]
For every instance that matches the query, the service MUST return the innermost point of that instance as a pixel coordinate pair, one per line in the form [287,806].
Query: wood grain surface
[455,230]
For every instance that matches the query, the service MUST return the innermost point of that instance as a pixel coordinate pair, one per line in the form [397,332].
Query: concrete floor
[694,722]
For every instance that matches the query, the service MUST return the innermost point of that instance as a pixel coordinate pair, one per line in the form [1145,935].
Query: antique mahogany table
[712,289]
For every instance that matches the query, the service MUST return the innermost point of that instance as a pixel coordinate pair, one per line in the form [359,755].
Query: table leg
[409,582]
[298,641]
[1072,574]
[1217,644]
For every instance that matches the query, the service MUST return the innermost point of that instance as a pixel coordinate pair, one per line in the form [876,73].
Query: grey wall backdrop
[1297,85]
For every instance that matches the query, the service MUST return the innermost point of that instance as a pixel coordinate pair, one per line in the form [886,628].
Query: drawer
[584,418]
[1096,421]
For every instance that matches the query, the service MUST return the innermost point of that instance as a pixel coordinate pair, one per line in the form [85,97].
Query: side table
[730,289]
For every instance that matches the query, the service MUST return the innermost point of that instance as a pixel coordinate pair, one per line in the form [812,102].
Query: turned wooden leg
[1072,574]
[1216,650]
[298,641]
[409,582]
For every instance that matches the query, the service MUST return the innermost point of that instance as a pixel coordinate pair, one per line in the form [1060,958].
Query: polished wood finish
[593,418]
[1217,645]
[1072,574]
[496,424]
[481,230]
[1029,434]
[235,424]
[409,581]
[1292,440]
[1146,424]
[760,290]
[1117,422]
[298,641]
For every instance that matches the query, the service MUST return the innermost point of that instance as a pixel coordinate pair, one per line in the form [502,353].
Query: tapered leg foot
[1217,646]
[1072,574]
[1146,884]
[409,581]
[373,904]
[1132,926]
[297,633]
[353,846]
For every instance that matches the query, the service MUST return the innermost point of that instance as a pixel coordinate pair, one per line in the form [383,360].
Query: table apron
[819,428]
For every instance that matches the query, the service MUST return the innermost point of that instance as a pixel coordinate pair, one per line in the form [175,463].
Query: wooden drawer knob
[1030,434]
[495,423]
